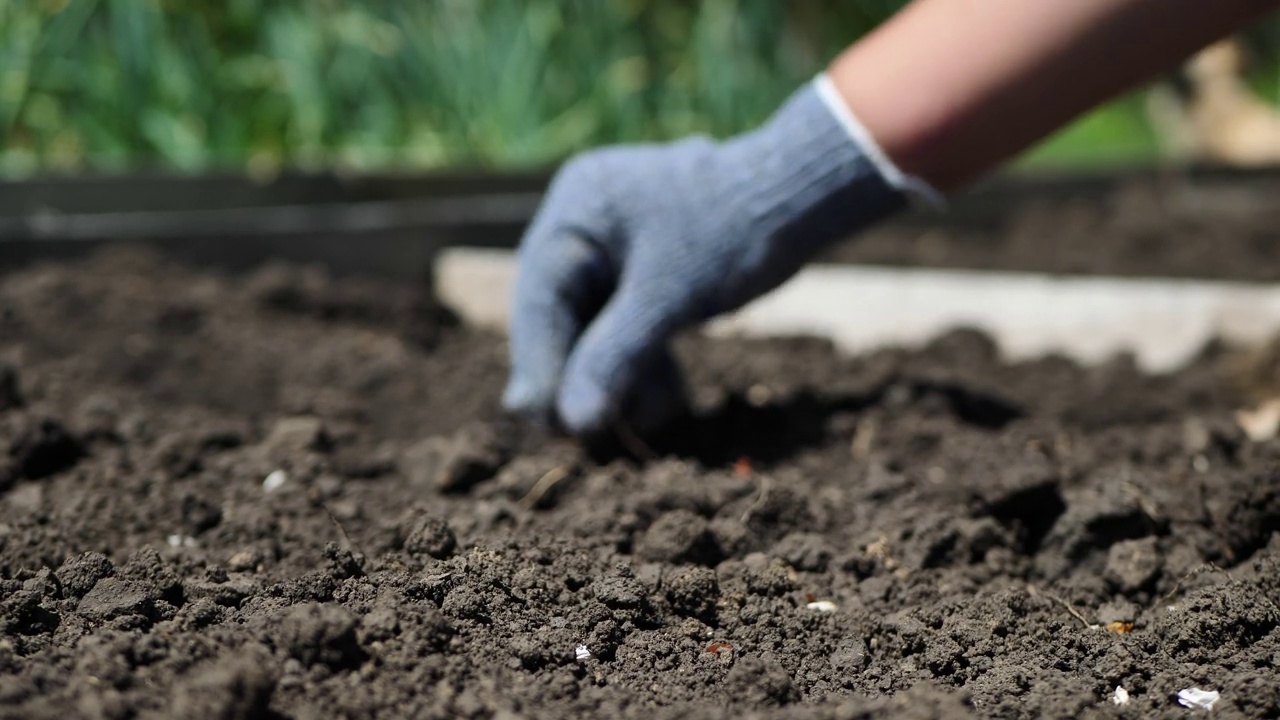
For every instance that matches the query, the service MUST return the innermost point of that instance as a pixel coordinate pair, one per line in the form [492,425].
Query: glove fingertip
[525,398]
[584,408]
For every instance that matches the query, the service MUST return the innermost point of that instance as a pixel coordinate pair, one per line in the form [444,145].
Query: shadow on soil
[775,431]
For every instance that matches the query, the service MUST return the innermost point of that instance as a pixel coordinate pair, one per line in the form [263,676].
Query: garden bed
[277,494]
[1202,223]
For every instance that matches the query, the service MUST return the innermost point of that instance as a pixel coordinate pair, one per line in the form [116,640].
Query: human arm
[952,88]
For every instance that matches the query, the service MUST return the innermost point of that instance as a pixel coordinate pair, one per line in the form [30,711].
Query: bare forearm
[951,88]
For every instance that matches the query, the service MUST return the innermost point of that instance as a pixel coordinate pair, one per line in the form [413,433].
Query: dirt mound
[287,496]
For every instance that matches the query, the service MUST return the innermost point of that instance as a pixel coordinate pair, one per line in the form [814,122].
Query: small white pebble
[759,395]
[822,606]
[581,653]
[1200,464]
[1120,696]
[1196,698]
[174,540]
[243,560]
[275,481]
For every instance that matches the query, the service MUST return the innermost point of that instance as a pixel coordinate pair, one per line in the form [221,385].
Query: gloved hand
[634,243]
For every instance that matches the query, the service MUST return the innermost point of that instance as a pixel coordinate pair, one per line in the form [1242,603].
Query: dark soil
[1224,227]
[984,531]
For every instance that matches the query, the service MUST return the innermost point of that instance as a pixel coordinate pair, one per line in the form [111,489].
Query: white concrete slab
[1163,322]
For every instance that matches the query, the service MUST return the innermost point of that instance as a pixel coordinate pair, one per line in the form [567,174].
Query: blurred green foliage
[190,84]
[198,84]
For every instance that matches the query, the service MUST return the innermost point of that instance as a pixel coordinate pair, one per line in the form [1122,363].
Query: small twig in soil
[544,486]
[758,502]
[1139,497]
[864,438]
[1207,567]
[342,530]
[632,441]
[1065,605]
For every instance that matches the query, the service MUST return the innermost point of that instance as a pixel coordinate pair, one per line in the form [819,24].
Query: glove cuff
[812,175]
[914,187]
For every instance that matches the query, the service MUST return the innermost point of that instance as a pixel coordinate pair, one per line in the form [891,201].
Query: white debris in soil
[185,541]
[759,395]
[1120,696]
[822,606]
[1261,423]
[275,481]
[581,653]
[1196,698]
[242,561]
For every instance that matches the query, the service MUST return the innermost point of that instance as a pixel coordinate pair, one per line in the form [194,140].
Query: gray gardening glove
[634,243]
